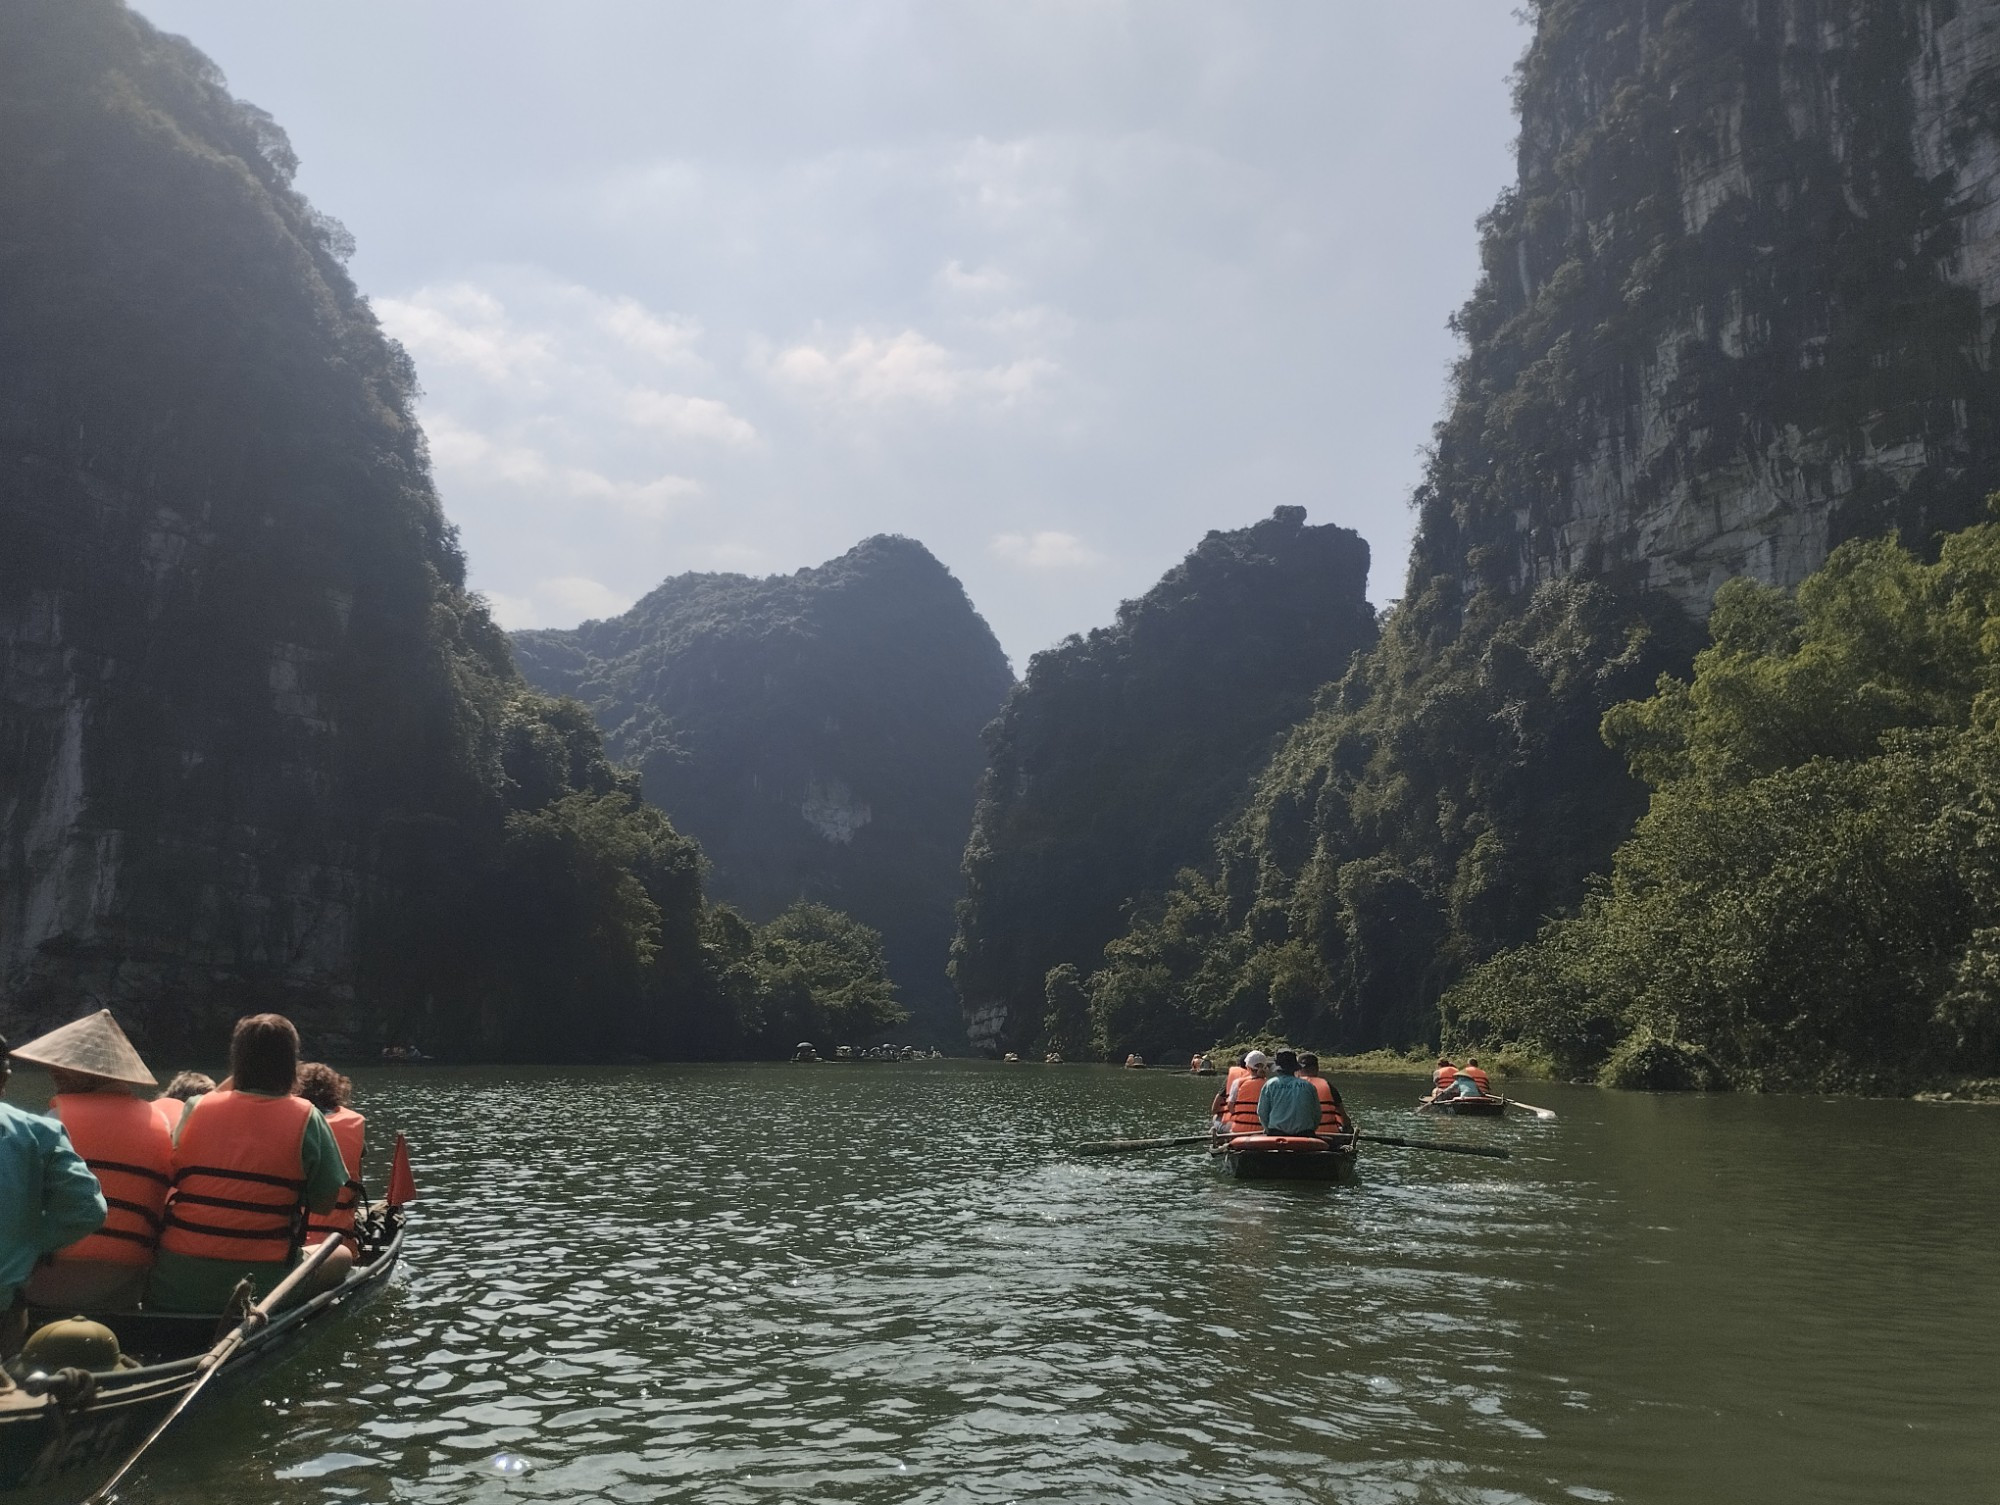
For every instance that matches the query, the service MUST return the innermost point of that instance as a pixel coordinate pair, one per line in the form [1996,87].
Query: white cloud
[461,324]
[559,601]
[687,417]
[1046,550]
[463,454]
[907,368]
[637,327]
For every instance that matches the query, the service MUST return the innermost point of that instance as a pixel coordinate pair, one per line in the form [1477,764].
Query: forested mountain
[1120,751]
[817,732]
[1739,306]
[258,746]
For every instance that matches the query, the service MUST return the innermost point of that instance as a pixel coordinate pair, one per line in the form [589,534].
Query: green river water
[893,1283]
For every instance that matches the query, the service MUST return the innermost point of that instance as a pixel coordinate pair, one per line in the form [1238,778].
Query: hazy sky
[1054,288]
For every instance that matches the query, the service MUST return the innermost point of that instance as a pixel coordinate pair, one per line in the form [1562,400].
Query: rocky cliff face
[1119,753]
[233,639]
[1743,301]
[818,733]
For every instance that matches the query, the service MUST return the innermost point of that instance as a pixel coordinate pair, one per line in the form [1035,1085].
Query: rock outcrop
[1119,753]
[1742,303]
[818,733]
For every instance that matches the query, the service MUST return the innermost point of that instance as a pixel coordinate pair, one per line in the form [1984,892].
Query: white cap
[1256,1058]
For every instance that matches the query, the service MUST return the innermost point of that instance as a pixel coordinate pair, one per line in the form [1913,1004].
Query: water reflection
[884,1283]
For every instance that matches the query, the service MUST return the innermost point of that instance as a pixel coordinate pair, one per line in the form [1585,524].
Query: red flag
[402,1187]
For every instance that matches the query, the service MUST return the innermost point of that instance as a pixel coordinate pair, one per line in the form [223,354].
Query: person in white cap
[97,1076]
[1239,1114]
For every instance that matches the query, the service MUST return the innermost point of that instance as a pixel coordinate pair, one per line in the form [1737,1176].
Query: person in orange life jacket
[1218,1109]
[249,1160]
[1332,1111]
[1239,1113]
[182,1090]
[1287,1104]
[1479,1078]
[331,1093]
[96,1075]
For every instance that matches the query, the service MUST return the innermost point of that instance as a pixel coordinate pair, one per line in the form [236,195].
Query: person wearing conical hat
[97,1076]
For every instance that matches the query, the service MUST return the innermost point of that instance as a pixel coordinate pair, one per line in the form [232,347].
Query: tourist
[1332,1111]
[182,1090]
[333,1094]
[96,1075]
[1479,1078]
[1287,1104]
[1443,1077]
[1239,1112]
[48,1198]
[248,1156]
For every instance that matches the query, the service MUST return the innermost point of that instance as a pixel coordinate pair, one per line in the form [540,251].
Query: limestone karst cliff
[817,732]
[1741,303]
[1122,749]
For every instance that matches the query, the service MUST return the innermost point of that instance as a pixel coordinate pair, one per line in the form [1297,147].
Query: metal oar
[212,1361]
[1544,1113]
[1117,1146]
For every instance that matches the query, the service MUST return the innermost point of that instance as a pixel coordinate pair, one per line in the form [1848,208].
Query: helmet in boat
[77,1343]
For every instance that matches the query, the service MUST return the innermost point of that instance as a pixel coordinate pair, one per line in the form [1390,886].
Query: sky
[1055,288]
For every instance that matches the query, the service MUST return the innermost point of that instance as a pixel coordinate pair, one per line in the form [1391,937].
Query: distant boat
[1483,1106]
[1135,1062]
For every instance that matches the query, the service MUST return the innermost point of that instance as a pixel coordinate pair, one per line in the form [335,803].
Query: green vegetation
[1115,759]
[817,733]
[1808,903]
[261,746]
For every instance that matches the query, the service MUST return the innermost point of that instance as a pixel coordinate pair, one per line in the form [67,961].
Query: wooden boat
[57,1426]
[1465,1107]
[1273,1157]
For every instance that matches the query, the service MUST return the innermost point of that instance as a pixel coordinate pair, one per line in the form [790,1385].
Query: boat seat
[1291,1144]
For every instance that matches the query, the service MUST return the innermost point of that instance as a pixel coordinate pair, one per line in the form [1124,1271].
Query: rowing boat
[1465,1107]
[1283,1157]
[52,1426]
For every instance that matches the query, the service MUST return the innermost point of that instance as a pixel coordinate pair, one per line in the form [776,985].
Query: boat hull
[45,1437]
[1466,1107]
[1333,1161]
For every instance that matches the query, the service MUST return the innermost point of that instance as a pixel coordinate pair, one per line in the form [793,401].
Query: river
[891,1283]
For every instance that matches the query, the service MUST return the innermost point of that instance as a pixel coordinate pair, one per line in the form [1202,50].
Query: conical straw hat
[95,1046]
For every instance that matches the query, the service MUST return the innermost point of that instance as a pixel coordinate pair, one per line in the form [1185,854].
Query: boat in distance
[1483,1106]
[76,1421]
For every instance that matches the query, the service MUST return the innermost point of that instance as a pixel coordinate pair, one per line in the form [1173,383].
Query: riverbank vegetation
[1811,899]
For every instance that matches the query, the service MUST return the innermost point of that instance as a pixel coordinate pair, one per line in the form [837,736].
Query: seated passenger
[1332,1111]
[250,1158]
[331,1093]
[96,1074]
[1480,1078]
[183,1089]
[1465,1086]
[1239,1112]
[1288,1103]
[48,1198]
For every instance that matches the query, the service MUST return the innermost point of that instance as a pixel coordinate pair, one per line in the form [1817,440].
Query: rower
[333,1094]
[1287,1104]
[48,1198]
[1332,1111]
[96,1074]
[248,1157]
[1239,1112]
[1479,1078]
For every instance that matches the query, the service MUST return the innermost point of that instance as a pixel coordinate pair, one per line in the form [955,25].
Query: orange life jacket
[1234,1072]
[1480,1080]
[239,1178]
[168,1111]
[1444,1076]
[348,1129]
[120,1139]
[1331,1119]
[1239,1114]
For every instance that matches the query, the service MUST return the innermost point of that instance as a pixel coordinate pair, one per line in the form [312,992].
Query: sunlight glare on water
[891,1283]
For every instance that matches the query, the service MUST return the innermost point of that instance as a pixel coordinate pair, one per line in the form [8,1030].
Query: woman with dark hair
[250,1161]
[332,1093]
[182,1090]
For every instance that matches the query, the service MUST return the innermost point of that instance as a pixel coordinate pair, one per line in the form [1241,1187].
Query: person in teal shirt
[48,1197]
[1289,1104]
